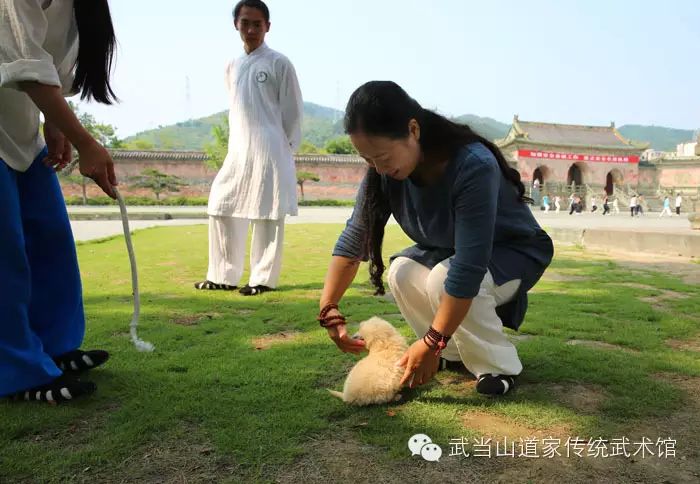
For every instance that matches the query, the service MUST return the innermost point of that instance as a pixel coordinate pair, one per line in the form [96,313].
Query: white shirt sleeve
[291,104]
[23,30]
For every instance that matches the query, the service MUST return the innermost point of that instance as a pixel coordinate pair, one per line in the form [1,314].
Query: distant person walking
[545,203]
[667,208]
[679,202]
[616,206]
[606,205]
[576,206]
[633,205]
[557,203]
[640,208]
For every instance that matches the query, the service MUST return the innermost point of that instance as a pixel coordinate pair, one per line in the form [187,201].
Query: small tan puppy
[375,378]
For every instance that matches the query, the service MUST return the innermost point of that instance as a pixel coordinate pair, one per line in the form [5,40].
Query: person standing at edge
[257,182]
[48,49]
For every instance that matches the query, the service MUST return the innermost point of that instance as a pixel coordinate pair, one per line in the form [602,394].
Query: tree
[139,144]
[216,151]
[105,134]
[341,146]
[304,176]
[77,180]
[158,182]
[308,148]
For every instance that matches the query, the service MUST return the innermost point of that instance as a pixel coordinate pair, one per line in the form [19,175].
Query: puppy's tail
[335,394]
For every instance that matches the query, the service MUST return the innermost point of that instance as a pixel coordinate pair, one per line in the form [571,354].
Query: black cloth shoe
[62,389]
[495,384]
[254,290]
[212,286]
[79,360]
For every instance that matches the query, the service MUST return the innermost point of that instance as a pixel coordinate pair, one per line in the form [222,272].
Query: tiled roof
[328,159]
[532,132]
[567,134]
[183,156]
[159,155]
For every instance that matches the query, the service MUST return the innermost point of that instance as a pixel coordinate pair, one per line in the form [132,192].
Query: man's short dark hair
[259,4]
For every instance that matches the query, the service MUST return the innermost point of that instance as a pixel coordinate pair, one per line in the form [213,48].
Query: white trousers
[227,246]
[479,341]
[666,210]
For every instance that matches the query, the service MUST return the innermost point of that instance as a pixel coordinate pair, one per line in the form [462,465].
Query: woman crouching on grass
[478,247]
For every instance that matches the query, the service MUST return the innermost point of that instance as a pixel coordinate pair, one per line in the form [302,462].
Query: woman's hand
[345,343]
[421,364]
[339,335]
[96,163]
[60,150]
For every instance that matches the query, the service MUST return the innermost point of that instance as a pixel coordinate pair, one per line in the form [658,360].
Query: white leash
[140,344]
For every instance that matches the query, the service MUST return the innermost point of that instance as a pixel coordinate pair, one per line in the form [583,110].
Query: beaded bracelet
[435,340]
[329,322]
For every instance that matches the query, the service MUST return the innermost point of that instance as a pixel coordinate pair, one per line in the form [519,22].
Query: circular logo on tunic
[261,76]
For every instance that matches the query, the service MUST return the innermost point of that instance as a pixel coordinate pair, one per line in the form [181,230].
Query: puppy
[375,378]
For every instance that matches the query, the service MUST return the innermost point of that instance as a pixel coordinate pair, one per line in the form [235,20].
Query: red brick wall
[340,180]
[680,176]
[337,180]
[192,171]
[648,176]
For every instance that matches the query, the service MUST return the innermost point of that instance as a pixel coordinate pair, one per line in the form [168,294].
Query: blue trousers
[41,305]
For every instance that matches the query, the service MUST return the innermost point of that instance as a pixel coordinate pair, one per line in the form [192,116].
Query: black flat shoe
[255,290]
[212,286]
[64,388]
[78,360]
[495,384]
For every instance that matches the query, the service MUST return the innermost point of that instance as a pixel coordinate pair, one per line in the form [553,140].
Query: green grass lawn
[213,403]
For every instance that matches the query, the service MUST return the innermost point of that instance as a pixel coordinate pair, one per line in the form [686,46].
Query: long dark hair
[383,108]
[95,51]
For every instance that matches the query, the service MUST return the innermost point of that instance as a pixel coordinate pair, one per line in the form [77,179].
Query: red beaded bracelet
[436,340]
[329,322]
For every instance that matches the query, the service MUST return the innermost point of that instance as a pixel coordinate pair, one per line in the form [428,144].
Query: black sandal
[247,290]
[78,360]
[62,389]
[495,384]
[212,286]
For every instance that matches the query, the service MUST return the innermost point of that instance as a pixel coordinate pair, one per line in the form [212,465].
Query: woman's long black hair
[383,108]
[95,52]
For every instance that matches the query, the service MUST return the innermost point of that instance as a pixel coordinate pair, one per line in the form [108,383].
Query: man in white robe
[257,182]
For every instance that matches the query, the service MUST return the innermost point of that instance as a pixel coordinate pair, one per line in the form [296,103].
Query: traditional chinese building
[592,156]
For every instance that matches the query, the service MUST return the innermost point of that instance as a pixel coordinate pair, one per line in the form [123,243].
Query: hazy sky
[576,61]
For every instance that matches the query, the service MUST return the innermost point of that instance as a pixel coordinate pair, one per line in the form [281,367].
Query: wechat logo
[421,444]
